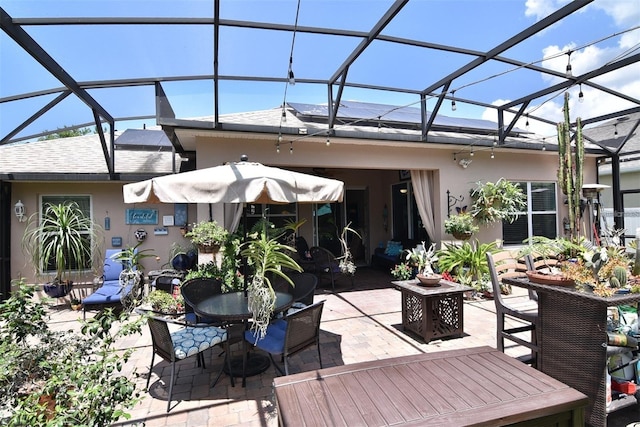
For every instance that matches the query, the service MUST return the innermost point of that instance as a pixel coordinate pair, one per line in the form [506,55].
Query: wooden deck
[471,387]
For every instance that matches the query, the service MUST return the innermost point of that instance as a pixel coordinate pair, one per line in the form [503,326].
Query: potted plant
[132,275]
[461,226]
[62,242]
[499,201]
[424,260]
[467,260]
[207,235]
[164,302]
[267,257]
[402,271]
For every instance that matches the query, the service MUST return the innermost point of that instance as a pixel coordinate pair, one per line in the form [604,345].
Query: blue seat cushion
[189,340]
[109,292]
[273,341]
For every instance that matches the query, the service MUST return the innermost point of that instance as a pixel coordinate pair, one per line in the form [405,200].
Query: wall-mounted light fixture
[20,211]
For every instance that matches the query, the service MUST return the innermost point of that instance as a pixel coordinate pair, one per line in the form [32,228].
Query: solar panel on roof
[354,111]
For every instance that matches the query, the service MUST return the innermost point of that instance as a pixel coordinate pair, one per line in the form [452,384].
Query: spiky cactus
[636,262]
[618,278]
[570,170]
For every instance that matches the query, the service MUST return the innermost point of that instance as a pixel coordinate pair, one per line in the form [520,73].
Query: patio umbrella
[237,182]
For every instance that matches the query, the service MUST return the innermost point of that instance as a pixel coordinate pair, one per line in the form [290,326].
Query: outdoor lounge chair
[110,292]
[503,265]
[290,335]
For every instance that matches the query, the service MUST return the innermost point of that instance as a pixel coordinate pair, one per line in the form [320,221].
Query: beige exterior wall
[360,164]
[106,199]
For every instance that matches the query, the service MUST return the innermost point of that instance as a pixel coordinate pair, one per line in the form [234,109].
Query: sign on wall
[141,216]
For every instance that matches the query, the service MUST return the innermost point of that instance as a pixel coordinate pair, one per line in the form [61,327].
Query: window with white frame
[84,203]
[540,218]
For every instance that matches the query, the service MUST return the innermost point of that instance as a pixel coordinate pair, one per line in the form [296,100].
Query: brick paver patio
[358,324]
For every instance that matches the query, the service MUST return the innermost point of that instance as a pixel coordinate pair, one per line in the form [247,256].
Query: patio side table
[432,312]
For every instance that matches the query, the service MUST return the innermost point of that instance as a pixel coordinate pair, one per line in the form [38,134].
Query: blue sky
[94,53]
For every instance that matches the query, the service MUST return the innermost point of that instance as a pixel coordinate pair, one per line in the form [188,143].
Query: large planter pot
[58,290]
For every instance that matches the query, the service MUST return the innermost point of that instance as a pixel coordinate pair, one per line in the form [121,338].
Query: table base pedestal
[256,364]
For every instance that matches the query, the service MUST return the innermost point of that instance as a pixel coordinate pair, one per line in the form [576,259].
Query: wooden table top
[476,386]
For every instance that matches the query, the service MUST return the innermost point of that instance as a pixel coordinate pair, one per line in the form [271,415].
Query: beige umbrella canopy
[238,182]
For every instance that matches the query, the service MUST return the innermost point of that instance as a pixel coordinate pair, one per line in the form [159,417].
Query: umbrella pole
[245,267]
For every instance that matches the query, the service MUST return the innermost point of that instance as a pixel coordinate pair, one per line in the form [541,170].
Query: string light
[292,79]
[471,153]
[615,129]
[527,123]
[278,143]
[454,157]
[284,115]
[581,95]
[569,72]
[328,143]
[493,156]
[453,100]
[544,144]
[290,147]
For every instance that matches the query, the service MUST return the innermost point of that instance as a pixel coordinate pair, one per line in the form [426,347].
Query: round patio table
[233,307]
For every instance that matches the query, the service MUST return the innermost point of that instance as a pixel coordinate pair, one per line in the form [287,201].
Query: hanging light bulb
[284,115]
[453,101]
[292,79]
[290,147]
[454,157]
[493,156]
[328,143]
[544,144]
[527,122]
[580,95]
[569,72]
[471,153]
[278,148]
[615,129]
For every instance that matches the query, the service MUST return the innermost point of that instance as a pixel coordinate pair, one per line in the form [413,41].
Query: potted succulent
[424,259]
[60,244]
[461,226]
[207,235]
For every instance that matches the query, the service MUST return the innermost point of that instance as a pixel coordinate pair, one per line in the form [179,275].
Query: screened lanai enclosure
[185,66]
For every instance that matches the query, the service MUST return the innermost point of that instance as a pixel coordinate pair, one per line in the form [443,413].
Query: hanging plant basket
[463,236]
[209,249]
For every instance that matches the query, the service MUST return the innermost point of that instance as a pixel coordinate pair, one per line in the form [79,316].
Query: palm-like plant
[267,257]
[63,240]
[466,259]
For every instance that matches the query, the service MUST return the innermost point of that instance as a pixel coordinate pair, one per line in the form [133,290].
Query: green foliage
[467,259]
[267,258]
[65,238]
[499,201]
[402,271]
[164,302]
[132,257]
[228,272]
[207,233]
[460,224]
[82,372]
[66,132]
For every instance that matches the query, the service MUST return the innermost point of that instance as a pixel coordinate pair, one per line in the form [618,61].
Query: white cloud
[625,14]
